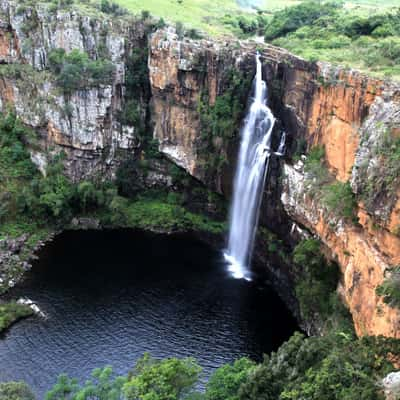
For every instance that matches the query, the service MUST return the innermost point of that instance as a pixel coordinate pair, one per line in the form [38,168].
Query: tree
[102,387]
[224,384]
[292,18]
[169,379]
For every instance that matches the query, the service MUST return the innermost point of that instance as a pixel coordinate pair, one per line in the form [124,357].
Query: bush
[225,383]
[11,312]
[292,18]
[390,288]
[339,199]
[15,391]
[315,170]
[128,179]
[167,379]
[110,7]
[339,35]
[332,367]
[76,70]
[381,179]
[180,29]
[222,119]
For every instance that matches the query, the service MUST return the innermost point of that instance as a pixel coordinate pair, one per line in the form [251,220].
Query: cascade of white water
[282,146]
[252,167]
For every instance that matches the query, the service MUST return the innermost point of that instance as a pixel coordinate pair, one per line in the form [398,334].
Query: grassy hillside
[207,15]
[201,14]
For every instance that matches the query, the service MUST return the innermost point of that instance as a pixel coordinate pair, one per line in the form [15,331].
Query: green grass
[12,312]
[206,15]
[200,14]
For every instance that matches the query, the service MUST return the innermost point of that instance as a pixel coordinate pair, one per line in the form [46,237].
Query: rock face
[84,124]
[391,386]
[321,105]
[316,104]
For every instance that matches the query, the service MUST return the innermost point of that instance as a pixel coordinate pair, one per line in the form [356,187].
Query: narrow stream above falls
[110,296]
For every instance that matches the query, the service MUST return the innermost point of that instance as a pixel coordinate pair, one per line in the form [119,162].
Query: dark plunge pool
[110,296]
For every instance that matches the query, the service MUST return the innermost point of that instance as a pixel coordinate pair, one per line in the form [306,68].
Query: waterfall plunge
[251,171]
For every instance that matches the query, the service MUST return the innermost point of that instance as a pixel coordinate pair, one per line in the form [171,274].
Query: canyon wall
[316,104]
[344,111]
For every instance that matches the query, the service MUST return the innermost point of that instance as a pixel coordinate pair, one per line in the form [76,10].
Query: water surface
[109,297]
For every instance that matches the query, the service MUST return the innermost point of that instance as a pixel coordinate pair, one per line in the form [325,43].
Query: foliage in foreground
[337,366]
[332,367]
[151,379]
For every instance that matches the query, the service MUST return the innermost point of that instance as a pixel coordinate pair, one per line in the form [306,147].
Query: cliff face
[350,117]
[346,112]
[341,110]
[84,124]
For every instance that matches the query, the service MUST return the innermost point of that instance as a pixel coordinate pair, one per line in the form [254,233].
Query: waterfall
[251,171]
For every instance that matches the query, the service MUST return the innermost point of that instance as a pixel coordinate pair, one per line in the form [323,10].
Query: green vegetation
[362,34]
[390,288]
[10,313]
[110,7]
[203,15]
[150,212]
[329,31]
[331,367]
[152,379]
[227,380]
[220,121]
[336,197]
[336,366]
[169,379]
[76,70]
[15,391]
[53,200]
[293,18]
[381,179]
[316,281]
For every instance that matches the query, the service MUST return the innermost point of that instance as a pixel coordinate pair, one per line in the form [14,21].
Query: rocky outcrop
[391,386]
[316,104]
[15,257]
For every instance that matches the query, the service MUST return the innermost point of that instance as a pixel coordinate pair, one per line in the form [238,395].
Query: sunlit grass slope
[201,14]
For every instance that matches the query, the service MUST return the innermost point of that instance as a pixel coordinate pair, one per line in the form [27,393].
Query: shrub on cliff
[339,199]
[381,179]
[76,70]
[390,288]
[315,170]
[16,167]
[316,280]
